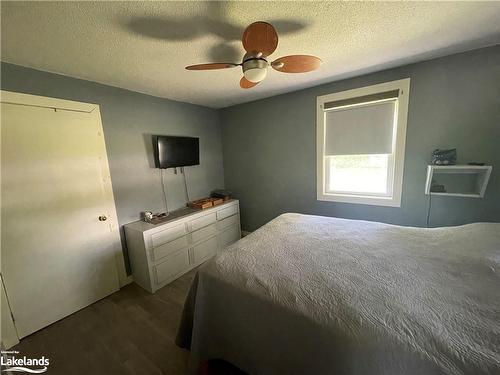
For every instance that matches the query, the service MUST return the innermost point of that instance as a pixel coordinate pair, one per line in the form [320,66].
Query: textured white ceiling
[144,46]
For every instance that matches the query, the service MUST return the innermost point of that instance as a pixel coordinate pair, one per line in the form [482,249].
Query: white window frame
[403,85]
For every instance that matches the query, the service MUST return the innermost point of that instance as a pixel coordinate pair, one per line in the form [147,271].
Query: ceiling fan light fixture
[255,74]
[255,70]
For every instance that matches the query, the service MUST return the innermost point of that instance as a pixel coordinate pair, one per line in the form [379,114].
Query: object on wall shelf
[437,188]
[444,157]
[467,181]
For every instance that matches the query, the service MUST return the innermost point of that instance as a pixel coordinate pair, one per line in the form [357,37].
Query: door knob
[102,218]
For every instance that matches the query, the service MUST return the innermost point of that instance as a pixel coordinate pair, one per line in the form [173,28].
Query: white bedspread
[309,294]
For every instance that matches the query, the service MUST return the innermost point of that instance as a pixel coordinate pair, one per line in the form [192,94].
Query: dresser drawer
[229,236]
[204,233]
[174,265]
[226,212]
[202,221]
[228,221]
[168,235]
[169,247]
[205,250]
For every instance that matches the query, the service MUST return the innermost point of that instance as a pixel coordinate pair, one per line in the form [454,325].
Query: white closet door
[57,256]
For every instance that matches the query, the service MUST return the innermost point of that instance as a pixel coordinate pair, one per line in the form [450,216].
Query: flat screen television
[171,152]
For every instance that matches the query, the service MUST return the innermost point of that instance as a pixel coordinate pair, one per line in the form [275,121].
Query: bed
[314,295]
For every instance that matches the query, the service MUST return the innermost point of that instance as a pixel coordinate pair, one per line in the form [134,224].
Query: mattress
[314,295]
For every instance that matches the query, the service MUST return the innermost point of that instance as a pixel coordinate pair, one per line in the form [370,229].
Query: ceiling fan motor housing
[255,69]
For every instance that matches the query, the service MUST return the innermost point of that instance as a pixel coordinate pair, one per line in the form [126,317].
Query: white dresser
[161,253]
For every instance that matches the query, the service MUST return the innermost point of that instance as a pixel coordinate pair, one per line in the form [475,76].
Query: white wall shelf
[467,181]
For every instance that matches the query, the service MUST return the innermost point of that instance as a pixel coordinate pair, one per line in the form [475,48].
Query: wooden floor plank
[128,332]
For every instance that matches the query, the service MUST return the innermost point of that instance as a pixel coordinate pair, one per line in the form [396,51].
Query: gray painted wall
[270,148]
[129,119]
[270,145]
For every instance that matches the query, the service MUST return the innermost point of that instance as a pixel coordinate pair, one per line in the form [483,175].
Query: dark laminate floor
[129,332]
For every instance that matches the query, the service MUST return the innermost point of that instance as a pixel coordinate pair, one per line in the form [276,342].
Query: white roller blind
[360,130]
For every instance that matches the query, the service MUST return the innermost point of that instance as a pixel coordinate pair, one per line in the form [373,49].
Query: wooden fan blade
[246,84]
[296,63]
[211,66]
[260,37]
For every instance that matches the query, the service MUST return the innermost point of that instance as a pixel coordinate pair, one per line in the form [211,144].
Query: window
[360,144]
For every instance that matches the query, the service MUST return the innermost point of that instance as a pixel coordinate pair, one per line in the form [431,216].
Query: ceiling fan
[259,41]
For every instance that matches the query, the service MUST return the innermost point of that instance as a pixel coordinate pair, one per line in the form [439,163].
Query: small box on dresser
[161,253]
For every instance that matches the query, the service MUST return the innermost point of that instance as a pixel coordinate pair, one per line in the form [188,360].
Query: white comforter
[309,294]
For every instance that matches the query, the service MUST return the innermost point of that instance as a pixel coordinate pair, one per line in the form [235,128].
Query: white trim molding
[10,97]
[395,178]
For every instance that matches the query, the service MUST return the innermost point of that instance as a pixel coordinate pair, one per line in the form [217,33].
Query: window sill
[361,199]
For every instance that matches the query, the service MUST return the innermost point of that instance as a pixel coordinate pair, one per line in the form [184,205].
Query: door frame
[10,97]
[8,331]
